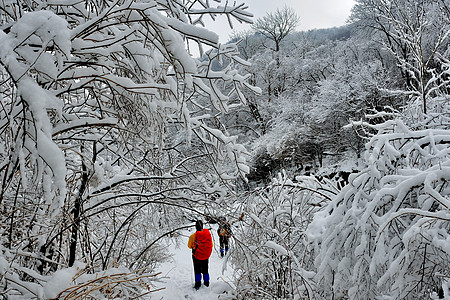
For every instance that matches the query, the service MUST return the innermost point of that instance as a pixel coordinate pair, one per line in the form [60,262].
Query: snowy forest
[124,121]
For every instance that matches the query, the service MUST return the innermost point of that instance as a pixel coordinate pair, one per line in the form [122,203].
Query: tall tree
[277,25]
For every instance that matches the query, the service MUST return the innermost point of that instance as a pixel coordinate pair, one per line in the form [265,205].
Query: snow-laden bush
[271,258]
[386,235]
[77,282]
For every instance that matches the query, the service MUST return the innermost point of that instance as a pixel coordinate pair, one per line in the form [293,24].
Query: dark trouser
[201,267]
[223,240]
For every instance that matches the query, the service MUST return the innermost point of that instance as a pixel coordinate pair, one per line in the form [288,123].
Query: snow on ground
[178,274]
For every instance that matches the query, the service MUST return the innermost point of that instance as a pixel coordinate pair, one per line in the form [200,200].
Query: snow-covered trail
[178,274]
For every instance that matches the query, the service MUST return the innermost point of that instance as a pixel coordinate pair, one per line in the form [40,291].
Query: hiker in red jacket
[201,244]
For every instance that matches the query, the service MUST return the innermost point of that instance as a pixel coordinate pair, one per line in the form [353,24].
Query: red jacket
[201,243]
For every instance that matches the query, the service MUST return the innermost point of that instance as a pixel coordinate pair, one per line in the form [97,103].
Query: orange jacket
[201,244]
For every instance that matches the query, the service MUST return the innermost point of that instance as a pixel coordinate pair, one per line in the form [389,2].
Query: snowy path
[178,274]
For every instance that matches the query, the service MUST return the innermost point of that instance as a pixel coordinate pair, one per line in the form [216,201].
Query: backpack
[203,240]
[222,231]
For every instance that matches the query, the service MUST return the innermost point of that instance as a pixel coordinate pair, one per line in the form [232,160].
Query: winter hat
[199,225]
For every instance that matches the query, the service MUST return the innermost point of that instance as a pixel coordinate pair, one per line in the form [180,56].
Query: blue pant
[223,241]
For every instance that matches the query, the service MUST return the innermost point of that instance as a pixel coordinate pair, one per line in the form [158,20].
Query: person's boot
[221,252]
[206,279]
[226,250]
[198,281]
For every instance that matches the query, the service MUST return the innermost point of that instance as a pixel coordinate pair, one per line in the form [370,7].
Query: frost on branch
[386,233]
[103,109]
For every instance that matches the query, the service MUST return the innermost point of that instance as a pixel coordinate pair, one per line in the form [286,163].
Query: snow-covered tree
[386,233]
[277,25]
[270,253]
[352,88]
[417,35]
[103,140]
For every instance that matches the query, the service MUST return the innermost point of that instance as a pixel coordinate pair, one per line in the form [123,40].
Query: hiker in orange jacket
[201,244]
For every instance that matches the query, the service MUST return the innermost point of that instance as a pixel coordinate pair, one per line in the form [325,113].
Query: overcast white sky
[312,13]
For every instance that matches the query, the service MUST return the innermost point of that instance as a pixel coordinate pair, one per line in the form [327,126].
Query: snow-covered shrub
[271,258]
[77,282]
[386,235]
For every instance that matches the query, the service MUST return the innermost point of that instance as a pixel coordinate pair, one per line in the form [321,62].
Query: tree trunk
[76,215]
